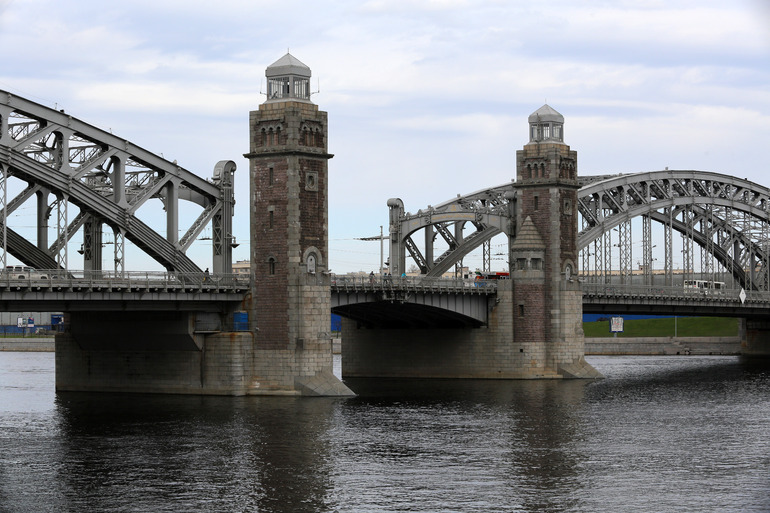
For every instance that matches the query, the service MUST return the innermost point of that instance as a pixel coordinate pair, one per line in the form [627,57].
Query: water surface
[660,434]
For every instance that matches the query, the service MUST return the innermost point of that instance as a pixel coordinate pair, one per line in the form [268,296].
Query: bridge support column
[756,342]
[42,218]
[544,255]
[289,202]
[92,244]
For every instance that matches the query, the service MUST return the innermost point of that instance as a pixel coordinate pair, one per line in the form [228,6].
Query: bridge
[723,223]
[83,182]
[569,247]
[709,230]
[95,291]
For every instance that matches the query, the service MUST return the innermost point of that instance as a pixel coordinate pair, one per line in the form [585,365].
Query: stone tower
[288,169]
[547,298]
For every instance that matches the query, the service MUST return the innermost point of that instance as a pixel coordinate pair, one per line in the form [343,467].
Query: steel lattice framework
[108,179]
[726,220]
[490,212]
[723,223]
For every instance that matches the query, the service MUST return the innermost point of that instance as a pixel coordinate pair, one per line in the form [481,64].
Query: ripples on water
[660,434]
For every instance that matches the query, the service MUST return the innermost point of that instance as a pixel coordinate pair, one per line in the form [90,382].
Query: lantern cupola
[288,79]
[546,125]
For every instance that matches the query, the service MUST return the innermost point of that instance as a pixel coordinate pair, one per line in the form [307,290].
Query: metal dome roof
[287,65]
[546,113]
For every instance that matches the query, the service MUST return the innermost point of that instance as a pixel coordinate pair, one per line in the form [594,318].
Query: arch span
[108,179]
[727,217]
[489,212]
[724,217]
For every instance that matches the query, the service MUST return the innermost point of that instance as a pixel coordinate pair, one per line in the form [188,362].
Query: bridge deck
[412,302]
[413,284]
[676,300]
[59,290]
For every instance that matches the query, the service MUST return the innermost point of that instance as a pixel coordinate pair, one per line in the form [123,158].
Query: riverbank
[653,346]
[27,344]
[593,346]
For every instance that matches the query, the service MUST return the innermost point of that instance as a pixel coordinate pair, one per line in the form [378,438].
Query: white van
[23,272]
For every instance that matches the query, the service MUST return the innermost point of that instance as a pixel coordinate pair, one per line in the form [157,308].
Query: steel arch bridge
[107,179]
[723,223]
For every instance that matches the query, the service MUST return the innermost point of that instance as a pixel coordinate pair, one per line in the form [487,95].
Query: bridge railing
[412,283]
[653,292]
[128,280]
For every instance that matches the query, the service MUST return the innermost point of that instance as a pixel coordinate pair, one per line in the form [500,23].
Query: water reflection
[658,435]
[136,452]
[513,440]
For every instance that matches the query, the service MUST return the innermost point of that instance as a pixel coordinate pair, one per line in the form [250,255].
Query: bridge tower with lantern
[289,200]
[547,299]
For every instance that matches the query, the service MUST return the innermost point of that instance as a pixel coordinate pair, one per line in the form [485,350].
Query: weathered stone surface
[290,308]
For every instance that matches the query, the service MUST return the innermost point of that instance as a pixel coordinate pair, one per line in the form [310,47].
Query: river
[659,434]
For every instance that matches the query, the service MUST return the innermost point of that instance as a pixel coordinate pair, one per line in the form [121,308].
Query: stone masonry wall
[222,367]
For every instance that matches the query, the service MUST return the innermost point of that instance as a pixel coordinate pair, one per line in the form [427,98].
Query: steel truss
[723,224]
[107,179]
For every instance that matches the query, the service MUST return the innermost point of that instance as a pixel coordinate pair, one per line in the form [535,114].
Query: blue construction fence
[336,323]
[604,317]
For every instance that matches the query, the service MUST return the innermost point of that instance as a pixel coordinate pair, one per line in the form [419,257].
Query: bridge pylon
[289,238]
[547,299]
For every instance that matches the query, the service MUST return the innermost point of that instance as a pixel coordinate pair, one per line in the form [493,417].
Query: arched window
[311,263]
[271,266]
[263,138]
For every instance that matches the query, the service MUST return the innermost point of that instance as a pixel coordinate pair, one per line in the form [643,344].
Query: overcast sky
[427,99]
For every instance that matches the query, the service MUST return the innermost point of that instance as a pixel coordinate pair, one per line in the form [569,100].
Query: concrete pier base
[222,366]
[226,364]
[757,339]
[470,353]
[146,353]
[305,371]
[490,352]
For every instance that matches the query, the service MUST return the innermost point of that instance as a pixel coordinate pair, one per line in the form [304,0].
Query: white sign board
[616,324]
[21,322]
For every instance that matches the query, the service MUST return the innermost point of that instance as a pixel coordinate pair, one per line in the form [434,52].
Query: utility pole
[380,238]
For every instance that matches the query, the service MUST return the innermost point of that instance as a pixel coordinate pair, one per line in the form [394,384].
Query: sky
[426,99]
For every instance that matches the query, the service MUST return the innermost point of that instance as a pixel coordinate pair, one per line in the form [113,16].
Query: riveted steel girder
[487,210]
[108,179]
[733,214]
[704,207]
